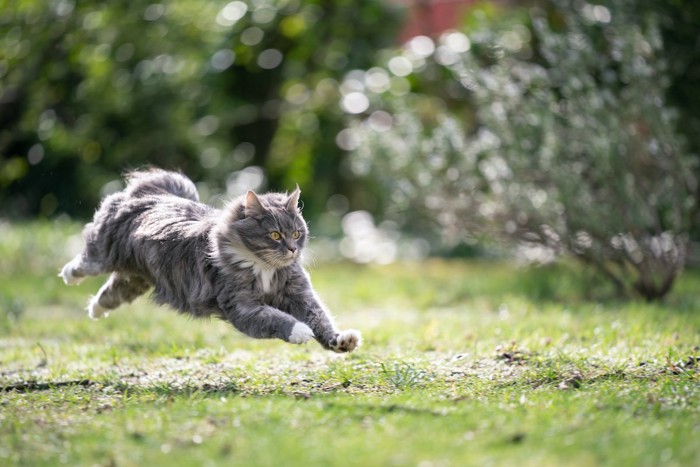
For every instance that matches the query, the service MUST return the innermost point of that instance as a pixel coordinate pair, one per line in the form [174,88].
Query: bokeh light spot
[355,103]
[270,59]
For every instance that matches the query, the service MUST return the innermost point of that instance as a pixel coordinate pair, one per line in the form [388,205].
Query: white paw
[347,341]
[67,275]
[301,333]
[95,310]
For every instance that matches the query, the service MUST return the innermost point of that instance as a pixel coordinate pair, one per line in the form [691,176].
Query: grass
[460,366]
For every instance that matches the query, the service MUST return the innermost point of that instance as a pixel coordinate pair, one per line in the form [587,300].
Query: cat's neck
[235,259]
[226,255]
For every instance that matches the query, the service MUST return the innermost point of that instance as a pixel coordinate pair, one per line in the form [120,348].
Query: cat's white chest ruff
[265,277]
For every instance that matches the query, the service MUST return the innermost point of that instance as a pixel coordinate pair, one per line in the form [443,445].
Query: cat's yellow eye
[296,234]
[275,235]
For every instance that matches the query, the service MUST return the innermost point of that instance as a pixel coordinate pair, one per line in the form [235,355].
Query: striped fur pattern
[240,264]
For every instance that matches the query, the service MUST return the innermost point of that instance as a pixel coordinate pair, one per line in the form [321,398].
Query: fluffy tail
[142,183]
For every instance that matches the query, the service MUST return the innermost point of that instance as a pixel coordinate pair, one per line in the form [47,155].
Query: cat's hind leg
[120,288]
[79,268]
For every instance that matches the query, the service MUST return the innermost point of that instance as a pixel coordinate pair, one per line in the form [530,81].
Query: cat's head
[270,227]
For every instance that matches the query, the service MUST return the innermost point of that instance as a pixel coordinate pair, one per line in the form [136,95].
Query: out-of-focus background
[495,190]
[527,130]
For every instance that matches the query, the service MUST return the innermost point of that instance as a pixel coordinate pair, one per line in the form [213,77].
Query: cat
[240,263]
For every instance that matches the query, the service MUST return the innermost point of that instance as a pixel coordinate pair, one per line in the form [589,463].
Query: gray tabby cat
[240,264]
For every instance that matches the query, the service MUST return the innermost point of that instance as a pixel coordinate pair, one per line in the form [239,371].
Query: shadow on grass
[534,372]
[564,374]
[223,388]
[32,386]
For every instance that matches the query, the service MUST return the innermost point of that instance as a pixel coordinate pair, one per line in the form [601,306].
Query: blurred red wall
[431,17]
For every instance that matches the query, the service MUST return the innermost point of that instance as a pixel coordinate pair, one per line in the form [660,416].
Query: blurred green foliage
[90,89]
[553,126]
[567,125]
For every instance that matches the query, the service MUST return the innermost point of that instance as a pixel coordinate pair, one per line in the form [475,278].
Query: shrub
[567,147]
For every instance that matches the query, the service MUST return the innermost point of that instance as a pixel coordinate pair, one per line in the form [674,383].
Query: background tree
[91,89]
[229,92]
[679,23]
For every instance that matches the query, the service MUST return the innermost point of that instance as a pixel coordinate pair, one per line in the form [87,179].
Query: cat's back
[126,230]
[168,217]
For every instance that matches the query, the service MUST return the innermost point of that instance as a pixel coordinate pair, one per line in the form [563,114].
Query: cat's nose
[292,248]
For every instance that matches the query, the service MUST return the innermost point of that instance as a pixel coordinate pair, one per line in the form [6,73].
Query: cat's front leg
[325,330]
[265,322]
[301,333]
[345,341]
[308,309]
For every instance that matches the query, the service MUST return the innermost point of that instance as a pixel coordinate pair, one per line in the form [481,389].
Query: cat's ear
[253,206]
[293,202]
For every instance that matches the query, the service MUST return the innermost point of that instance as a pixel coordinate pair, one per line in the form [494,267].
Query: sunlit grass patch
[460,366]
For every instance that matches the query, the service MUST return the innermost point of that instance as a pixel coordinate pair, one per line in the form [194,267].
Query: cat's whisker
[309,257]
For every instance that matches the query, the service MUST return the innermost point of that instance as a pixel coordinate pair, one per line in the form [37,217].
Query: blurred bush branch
[552,127]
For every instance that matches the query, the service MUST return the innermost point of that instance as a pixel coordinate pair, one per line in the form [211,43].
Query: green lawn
[463,363]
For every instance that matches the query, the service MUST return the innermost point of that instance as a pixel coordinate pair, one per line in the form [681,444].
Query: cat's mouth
[291,256]
[281,260]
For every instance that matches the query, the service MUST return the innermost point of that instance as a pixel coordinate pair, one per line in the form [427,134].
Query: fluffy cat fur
[241,264]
